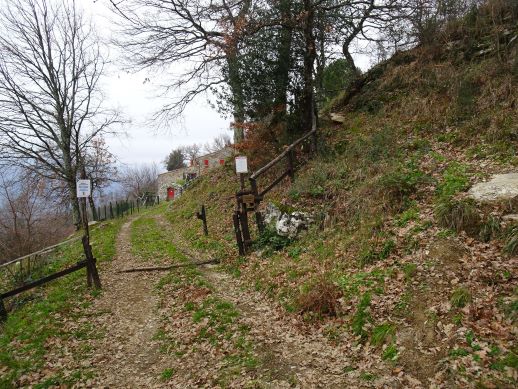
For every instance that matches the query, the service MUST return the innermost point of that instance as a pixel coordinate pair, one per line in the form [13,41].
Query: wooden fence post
[92,276]
[237,231]
[3,311]
[111,210]
[258,216]
[203,217]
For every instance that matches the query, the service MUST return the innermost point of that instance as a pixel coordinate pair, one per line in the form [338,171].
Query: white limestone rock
[272,214]
[337,117]
[499,187]
[290,225]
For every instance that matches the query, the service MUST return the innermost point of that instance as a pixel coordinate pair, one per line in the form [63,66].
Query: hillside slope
[417,280]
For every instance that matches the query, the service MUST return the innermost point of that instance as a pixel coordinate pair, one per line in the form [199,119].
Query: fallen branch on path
[165,268]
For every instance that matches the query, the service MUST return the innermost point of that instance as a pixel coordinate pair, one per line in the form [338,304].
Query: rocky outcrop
[500,187]
[287,224]
[290,225]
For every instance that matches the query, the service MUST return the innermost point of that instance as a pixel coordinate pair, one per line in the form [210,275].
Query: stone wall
[198,167]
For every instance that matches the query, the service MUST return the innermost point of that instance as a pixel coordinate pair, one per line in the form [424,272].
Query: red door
[170,193]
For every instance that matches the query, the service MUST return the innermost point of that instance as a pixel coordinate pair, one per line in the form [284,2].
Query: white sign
[84,188]
[241,165]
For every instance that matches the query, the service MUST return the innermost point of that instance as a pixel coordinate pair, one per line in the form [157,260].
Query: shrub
[454,180]
[402,182]
[321,298]
[458,215]
[269,239]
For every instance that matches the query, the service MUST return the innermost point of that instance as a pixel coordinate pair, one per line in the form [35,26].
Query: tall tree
[50,111]
[203,36]
[175,160]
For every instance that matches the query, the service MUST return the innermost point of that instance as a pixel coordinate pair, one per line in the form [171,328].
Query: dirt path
[128,356]
[289,356]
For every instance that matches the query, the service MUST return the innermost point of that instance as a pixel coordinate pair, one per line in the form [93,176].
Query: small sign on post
[84,188]
[241,165]
[241,169]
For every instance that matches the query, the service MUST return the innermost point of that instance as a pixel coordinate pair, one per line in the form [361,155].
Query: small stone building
[169,183]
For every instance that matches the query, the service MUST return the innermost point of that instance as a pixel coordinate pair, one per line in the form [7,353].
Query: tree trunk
[74,203]
[309,61]
[284,59]
[92,207]
[236,88]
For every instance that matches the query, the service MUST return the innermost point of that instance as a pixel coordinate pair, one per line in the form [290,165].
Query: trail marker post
[202,215]
[240,214]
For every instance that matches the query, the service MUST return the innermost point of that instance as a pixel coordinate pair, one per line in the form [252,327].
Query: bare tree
[218,143]
[31,215]
[50,102]
[98,165]
[202,37]
[192,152]
[139,180]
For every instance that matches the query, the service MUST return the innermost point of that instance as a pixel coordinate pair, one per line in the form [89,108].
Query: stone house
[170,183]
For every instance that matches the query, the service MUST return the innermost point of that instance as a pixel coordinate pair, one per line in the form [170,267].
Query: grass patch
[406,216]
[383,333]
[320,298]
[166,374]
[454,180]
[362,316]
[390,353]
[374,254]
[150,242]
[458,215]
[460,297]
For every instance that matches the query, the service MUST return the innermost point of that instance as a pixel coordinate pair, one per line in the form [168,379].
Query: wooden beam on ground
[165,268]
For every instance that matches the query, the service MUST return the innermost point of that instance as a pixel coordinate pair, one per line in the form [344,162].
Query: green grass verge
[35,315]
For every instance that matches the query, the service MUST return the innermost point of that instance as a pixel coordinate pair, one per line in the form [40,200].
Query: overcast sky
[138,100]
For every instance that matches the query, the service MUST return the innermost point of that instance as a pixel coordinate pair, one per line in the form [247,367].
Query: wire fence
[117,209]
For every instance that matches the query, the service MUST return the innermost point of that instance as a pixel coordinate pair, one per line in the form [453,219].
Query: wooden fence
[18,273]
[116,209]
[248,200]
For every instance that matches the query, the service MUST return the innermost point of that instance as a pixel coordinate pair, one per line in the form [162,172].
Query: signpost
[84,190]
[241,169]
